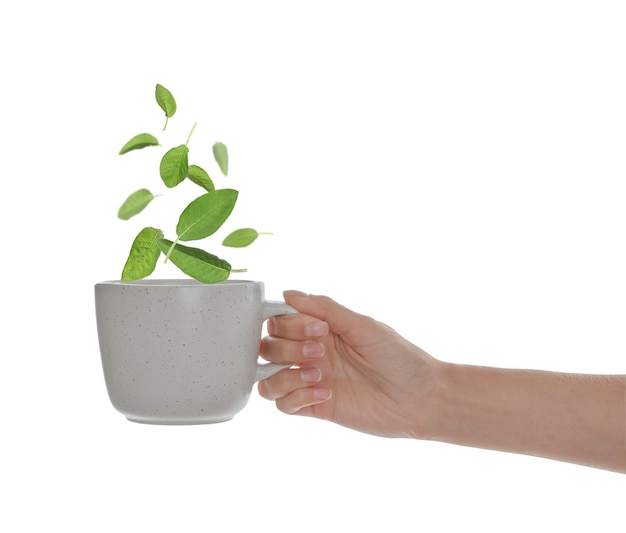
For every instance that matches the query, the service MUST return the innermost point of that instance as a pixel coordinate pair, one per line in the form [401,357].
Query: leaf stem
[169,252]
[191,133]
[238,270]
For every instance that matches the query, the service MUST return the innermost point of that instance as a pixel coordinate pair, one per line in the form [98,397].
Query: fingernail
[312,350]
[322,394]
[311,375]
[316,329]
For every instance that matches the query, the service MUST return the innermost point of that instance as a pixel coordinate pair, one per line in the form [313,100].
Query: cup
[180,351]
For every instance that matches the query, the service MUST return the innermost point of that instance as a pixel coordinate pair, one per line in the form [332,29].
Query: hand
[351,369]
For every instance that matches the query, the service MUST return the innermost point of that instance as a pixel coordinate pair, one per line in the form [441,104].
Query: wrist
[427,415]
[436,416]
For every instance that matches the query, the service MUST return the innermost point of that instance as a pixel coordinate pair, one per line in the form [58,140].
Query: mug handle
[270,309]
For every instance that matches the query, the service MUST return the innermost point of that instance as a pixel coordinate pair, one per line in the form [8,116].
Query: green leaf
[200,177]
[135,204]
[206,214]
[166,102]
[241,238]
[175,165]
[220,153]
[196,263]
[143,255]
[139,141]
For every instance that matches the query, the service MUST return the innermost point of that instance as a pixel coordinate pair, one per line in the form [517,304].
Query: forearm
[568,417]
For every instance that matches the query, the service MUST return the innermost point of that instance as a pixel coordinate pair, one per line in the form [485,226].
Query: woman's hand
[351,369]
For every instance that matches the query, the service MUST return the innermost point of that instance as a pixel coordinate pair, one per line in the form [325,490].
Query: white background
[454,169]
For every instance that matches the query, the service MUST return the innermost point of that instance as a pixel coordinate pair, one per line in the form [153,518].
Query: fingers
[288,352]
[340,319]
[329,314]
[289,380]
[302,398]
[297,339]
[293,339]
[297,327]
[294,389]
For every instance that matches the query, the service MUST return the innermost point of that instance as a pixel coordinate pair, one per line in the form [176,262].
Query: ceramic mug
[181,351]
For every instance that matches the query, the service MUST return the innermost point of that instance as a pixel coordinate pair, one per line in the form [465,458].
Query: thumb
[340,319]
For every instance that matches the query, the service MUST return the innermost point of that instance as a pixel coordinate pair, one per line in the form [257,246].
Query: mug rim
[182,282]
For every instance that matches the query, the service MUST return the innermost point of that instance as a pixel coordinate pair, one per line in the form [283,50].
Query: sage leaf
[200,177]
[241,238]
[196,263]
[206,214]
[174,165]
[139,141]
[135,204]
[166,102]
[143,255]
[220,153]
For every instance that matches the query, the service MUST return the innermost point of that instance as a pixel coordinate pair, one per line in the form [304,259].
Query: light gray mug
[181,351]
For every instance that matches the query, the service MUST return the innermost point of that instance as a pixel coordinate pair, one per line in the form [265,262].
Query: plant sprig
[202,217]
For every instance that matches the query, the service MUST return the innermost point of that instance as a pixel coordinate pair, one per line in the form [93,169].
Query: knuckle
[325,300]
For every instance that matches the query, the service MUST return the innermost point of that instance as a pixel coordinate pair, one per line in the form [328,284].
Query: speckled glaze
[180,351]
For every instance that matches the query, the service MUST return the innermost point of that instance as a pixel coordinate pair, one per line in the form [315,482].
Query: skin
[354,371]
